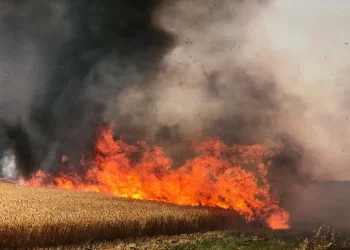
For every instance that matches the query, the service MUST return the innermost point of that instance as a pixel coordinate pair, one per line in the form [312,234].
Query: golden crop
[38,217]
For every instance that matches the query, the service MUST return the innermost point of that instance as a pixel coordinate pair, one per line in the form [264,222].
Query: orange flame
[215,177]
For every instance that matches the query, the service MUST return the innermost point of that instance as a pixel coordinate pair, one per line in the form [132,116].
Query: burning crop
[217,176]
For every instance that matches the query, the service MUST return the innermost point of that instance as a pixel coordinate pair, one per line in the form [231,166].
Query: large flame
[216,177]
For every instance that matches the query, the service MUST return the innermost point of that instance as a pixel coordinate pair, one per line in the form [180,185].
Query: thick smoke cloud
[69,66]
[206,86]
[161,70]
[50,58]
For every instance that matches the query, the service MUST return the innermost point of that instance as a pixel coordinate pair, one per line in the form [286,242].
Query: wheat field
[41,217]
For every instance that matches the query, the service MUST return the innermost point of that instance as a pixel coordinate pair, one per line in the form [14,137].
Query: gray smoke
[8,166]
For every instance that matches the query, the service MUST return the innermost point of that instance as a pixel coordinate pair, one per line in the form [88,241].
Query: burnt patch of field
[42,217]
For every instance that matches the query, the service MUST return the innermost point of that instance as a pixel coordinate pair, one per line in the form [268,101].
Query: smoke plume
[55,56]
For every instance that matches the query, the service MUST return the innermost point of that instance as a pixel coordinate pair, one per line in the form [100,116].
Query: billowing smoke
[54,56]
[166,71]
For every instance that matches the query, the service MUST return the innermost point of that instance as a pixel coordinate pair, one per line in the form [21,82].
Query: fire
[216,177]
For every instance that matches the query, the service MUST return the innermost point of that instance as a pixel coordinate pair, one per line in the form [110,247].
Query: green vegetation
[210,240]
[323,238]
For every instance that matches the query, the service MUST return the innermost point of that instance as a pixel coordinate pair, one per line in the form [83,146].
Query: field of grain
[40,217]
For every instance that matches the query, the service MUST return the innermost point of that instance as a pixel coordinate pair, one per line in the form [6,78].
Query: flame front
[216,177]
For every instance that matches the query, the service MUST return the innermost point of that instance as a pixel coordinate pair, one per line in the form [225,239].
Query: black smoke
[60,118]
